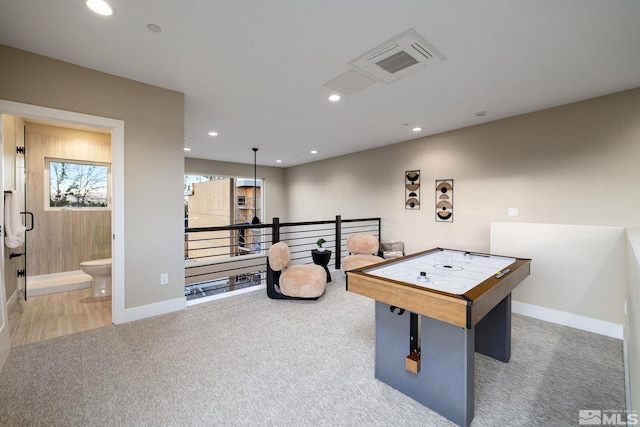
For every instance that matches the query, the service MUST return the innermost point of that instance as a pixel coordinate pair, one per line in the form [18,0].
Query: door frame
[117,179]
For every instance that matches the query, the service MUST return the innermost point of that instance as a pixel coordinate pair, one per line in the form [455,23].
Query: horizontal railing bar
[361,220]
[213,247]
[310,231]
[285,224]
[353,227]
[237,241]
[244,268]
[231,234]
[225,254]
[227,227]
[297,224]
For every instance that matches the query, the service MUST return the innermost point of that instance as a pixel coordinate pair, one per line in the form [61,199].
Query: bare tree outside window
[57,174]
[78,185]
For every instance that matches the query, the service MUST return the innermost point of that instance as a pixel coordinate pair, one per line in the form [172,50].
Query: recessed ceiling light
[213,133]
[187,149]
[154,28]
[334,98]
[100,7]
[480,113]
[417,129]
[314,151]
[278,161]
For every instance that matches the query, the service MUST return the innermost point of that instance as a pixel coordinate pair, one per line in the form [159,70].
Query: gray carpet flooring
[251,361]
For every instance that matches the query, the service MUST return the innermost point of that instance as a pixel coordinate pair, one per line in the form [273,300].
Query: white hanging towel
[13,227]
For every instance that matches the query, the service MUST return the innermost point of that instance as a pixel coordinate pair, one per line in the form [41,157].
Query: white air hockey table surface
[456,272]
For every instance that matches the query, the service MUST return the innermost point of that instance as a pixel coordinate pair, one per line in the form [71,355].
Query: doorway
[63,173]
[116,128]
[67,196]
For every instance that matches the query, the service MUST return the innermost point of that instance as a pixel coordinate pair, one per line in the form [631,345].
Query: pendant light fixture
[255,219]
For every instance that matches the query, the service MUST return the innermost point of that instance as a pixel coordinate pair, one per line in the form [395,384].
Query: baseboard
[156,309]
[5,330]
[5,344]
[627,377]
[577,321]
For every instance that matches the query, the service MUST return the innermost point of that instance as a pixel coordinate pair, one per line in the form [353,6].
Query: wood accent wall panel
[61,240]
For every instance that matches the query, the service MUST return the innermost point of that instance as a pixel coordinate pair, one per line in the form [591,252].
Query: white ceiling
[254,70]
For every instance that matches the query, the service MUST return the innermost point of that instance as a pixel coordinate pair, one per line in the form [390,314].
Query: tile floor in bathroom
[49,316]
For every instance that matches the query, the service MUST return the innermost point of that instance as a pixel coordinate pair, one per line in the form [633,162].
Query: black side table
[322,259]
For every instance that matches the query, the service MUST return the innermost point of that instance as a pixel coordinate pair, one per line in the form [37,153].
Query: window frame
[47,184]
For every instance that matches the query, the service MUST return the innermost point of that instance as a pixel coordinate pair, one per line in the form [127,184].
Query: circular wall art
[412,190]
[444,200]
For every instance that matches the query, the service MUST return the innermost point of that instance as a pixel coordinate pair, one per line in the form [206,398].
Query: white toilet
[100,272]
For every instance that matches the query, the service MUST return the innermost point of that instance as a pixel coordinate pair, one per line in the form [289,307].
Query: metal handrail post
[338,241]
[275,232]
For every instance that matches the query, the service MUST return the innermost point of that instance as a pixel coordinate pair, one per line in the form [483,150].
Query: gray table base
[445,382]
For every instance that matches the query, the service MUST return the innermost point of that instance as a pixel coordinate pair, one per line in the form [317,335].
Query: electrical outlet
[164,278]
[512,211]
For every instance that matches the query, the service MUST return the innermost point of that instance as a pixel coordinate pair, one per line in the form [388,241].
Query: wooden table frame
[452,328]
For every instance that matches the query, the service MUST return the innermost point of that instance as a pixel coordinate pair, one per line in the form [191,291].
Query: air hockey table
[433,310]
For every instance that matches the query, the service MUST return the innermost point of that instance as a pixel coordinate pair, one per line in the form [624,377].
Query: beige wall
[62,239]
[153,152]
[575,164]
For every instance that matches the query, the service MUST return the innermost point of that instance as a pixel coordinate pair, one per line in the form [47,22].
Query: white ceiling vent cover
[404,55]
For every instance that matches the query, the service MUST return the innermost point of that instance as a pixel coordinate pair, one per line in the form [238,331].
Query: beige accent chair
[284,281]
[392,250]
[363,249]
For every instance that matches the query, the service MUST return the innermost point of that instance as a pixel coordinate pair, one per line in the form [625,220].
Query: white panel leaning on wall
[577,273]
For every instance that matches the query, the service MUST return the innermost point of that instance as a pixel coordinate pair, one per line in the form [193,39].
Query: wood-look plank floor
[54,315]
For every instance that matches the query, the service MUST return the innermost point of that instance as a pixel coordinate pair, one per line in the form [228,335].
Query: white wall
[578,269]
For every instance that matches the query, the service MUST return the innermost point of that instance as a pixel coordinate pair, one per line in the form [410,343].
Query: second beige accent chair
[363,249]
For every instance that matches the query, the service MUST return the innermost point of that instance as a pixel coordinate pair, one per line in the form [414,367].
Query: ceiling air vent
[404,55]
